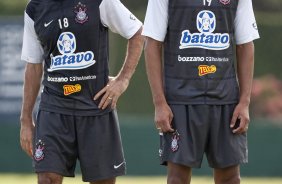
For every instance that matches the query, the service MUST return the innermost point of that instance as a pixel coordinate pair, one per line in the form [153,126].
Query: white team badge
[66,43]
[205,38]
[206,21]
[68,60]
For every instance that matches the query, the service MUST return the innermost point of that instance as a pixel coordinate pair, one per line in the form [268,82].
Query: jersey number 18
[64,23]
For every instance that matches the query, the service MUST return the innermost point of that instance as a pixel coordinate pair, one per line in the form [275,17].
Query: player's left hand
[241,115]
[111,92]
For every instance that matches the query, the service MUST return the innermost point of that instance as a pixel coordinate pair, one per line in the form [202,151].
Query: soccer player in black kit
[197,97]
[66,42]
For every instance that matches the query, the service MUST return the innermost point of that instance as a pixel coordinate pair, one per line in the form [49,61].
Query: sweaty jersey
[199,50]
[71,37]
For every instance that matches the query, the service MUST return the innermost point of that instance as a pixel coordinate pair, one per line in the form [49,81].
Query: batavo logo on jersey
[205,69]
[69,60]
[70,89]
[206,39]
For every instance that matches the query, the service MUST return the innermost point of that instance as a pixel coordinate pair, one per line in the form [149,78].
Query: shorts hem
[54,171]
[113,175]
[191,165]
[222,166]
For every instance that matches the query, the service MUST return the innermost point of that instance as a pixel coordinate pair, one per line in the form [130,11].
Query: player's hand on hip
[240,119]
[111,92]
[26,136]
[163,118]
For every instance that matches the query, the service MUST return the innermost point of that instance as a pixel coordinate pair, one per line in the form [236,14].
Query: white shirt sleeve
[32,51]
[156,20]
[118,18]
[245,23]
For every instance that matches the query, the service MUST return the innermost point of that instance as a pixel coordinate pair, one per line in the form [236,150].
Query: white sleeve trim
[152,35]
[156,20]
[247,39]
[32,50]
[245,23]
[118,18]
[30,60]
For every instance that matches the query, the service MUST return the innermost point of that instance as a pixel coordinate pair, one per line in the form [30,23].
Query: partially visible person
[201,101]
[66,43]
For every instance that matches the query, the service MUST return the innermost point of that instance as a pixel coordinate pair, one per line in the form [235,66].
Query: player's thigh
[224,148]
[49,178]
[54,144]
[100,147]
[186,146]
[228,175]
[178,174]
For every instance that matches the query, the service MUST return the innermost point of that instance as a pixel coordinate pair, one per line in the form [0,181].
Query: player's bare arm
[245,68]
[32,80]
[153,57]
[118,84]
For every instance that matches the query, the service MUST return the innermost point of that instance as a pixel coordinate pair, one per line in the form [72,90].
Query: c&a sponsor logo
[206,39]
[70,89]
[205,69]
[69,60]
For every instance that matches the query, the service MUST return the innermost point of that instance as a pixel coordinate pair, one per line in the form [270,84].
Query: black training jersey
[199,53]
[75,47]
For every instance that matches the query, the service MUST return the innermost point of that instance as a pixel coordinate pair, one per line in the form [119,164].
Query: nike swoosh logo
[47,24]
[117,166]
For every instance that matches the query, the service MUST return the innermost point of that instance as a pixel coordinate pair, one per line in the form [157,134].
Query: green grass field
[31,179]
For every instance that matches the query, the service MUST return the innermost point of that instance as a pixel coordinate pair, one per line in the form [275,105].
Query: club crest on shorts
[174,141]
[225,2]
[81,15]
[39,153]
[160,152]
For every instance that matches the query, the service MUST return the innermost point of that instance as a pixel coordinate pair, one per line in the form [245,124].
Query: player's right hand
[26,135]
[163,118]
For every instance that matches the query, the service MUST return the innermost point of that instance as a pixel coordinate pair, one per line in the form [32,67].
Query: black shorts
[203,129]
[94,140]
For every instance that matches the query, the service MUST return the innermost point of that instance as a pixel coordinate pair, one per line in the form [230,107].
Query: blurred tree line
[261,5]
[16,7]
[269,5]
